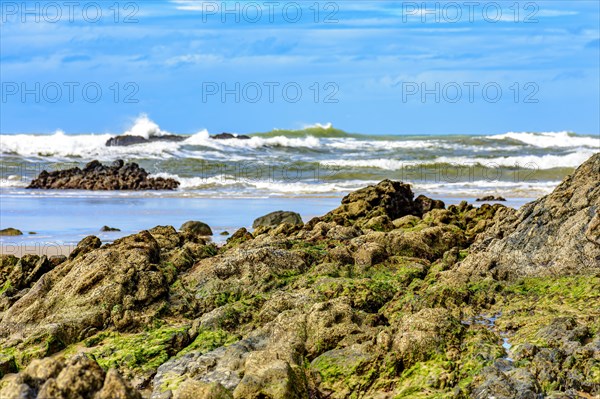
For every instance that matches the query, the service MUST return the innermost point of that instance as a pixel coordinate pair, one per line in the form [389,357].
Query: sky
[377,67]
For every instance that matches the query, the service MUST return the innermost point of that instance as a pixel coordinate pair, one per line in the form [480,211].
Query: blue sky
[361,65]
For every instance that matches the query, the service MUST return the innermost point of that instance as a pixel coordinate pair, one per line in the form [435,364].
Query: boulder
[197,227]
[10,232]
[95,176]
[276,218]
[558,234]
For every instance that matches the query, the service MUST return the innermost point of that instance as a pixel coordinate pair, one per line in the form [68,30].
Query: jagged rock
[84,246]
[109,286]
[228,136]
[127,140]
[10,232]
[196,227]
[388,198]
[107,228]
[95,176]
[276,218]
[558,234]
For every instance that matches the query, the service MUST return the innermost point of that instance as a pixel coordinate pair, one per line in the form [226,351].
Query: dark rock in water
[196,227]
[32,232]
[126,140]
[228,136]
[107,228]
[10,232]
[276,218]
[491,198]
[558,234]
[224,233]
[95,176]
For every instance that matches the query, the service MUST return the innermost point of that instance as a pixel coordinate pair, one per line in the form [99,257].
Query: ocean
[227,183]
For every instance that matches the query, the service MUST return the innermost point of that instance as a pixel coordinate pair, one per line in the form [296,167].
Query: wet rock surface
[370,300]
[95,176]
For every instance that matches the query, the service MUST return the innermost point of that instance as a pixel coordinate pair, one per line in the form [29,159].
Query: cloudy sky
[372,67]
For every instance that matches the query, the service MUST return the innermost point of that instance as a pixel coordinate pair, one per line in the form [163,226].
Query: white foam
[146,128]
[537,162]
[550,139]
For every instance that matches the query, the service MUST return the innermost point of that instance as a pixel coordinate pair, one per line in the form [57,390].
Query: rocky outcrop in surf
[229,136]
[95,176]
[127,140]
[369,300]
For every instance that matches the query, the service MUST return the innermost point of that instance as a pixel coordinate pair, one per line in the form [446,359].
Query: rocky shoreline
[386,296]
[95,176]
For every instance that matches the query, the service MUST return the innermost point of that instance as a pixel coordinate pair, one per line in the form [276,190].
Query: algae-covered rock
[366,301]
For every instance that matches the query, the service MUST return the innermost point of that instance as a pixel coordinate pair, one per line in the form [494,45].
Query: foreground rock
[78,377]
[555,235]
[95,176]
[276,218]
[11,232]
[127,140]
[369,300]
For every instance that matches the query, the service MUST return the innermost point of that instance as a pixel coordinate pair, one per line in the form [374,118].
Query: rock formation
[378,298]
[555,235]
[95,176]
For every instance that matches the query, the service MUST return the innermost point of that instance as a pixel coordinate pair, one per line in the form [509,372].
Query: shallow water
[65,217]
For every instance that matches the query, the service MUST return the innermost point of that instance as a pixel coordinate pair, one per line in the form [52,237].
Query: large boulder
[558,234]
[276,218]
[95,176]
